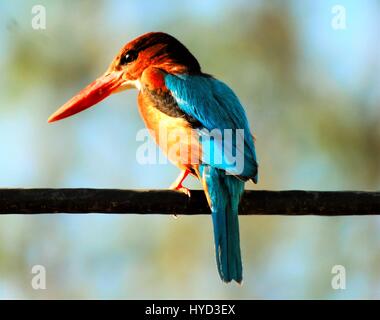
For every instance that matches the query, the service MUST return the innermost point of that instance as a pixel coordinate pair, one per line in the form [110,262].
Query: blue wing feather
[215,106]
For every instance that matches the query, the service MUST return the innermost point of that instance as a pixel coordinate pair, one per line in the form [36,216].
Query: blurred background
[312,94]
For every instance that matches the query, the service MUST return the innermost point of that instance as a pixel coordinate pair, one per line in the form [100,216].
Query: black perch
[117,201]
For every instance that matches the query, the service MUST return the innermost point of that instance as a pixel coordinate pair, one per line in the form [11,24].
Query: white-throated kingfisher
[210,125]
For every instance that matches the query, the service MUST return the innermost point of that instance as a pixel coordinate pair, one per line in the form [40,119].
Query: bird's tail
[223,193]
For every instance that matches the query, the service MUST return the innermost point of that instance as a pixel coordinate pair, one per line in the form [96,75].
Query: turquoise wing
[227,142]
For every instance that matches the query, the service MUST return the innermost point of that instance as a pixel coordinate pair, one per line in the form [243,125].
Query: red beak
[96,91]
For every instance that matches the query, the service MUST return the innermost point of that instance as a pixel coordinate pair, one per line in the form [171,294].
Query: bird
[203,121]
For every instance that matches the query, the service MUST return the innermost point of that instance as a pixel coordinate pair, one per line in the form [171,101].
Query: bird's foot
[183,189]
[178,186]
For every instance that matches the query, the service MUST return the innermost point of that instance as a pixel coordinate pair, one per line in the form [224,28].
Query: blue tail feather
[224,193]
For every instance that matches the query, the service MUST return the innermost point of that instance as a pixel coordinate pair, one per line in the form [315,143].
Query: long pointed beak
[96,91]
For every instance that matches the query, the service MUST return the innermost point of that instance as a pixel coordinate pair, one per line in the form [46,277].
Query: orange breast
[178,141]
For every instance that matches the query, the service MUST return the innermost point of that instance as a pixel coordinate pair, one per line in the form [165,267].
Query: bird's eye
[130,56]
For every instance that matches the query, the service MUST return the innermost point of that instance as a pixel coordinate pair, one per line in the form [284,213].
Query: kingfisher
[205,128]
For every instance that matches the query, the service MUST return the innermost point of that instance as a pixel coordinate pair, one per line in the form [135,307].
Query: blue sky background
[312,96]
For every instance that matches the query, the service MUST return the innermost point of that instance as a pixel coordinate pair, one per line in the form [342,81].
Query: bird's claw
[182,189]
[177,185]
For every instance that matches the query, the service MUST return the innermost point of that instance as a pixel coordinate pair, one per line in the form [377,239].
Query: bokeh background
[312,94]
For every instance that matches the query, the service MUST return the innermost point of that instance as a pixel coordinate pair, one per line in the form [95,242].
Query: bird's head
[154,49]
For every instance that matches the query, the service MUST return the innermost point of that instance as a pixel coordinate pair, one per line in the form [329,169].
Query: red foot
[183,189]
[177,185]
